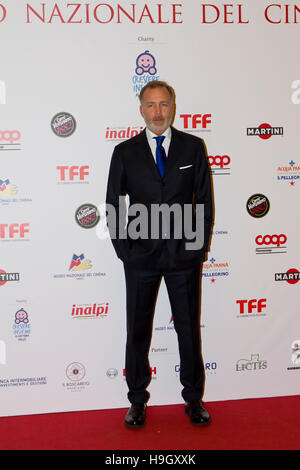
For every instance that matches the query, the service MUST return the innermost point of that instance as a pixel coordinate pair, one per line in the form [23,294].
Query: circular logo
[87,216]
[63,124]
[258,205]
[294,278]
[75,371]
[2,282]
[112,373]
[265,126]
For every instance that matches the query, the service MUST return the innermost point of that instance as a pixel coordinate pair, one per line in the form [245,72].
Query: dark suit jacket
[133,171]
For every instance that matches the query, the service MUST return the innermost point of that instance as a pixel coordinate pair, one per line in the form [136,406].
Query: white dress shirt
[152,141]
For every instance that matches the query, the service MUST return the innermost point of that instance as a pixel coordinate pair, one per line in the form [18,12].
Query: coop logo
[295,355]
[8,277]
[63,124]
[295,97]
[264,131]
[118,134]
[10,140]
[87,216]
[73,174]
[196,122]
[292,276]
[100,310]
[219,164]
[145,71]
[251,308]
[252,364]
[271,244]
[2,353]
[21,326]
[214,270]
[258,205]
[289,173]
[13,232]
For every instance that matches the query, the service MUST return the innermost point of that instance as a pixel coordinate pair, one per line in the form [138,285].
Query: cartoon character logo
[21,316]
[145,63]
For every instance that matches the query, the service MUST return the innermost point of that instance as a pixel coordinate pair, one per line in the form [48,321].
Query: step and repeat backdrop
[70,77]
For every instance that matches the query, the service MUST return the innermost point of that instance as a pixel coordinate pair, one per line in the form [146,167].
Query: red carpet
[255,424]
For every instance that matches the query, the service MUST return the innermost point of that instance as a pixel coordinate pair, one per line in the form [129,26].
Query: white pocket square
[183,167]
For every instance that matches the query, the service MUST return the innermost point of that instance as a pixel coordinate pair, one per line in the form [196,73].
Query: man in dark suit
[161,168]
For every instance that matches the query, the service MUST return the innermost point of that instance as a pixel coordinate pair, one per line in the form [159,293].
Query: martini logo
[63,124]
[87,216]
[145,71]
[264,131]
[8,277]
[258,205]
[292,276]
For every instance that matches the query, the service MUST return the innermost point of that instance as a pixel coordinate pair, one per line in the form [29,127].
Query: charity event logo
[21,327]
[63,124]
[258,205]
[145,71]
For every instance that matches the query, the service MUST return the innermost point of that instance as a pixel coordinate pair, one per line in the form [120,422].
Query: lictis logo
[145,71]
[258,205]
[264,131]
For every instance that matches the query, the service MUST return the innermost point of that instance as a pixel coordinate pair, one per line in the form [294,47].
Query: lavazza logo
[63,124]
[264,131]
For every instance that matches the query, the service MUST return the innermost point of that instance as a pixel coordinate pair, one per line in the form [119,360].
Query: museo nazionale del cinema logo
[145,71]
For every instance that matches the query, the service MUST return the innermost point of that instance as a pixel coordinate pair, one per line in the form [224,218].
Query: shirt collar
[151,135]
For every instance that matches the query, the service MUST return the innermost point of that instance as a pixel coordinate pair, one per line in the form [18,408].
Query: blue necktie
[161,157]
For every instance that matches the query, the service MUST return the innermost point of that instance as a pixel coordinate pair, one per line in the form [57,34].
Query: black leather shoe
[136,416]
[197,413]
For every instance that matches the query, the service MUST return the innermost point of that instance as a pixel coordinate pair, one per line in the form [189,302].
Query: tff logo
[11,231]
[248,306]
[74,172]
[194,121]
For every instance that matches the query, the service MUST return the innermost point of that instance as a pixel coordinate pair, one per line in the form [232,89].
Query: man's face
[157,109]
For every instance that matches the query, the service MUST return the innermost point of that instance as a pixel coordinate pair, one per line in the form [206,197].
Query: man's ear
[141,111]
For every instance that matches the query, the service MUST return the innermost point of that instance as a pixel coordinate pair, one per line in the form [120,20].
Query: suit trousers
[142,285]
